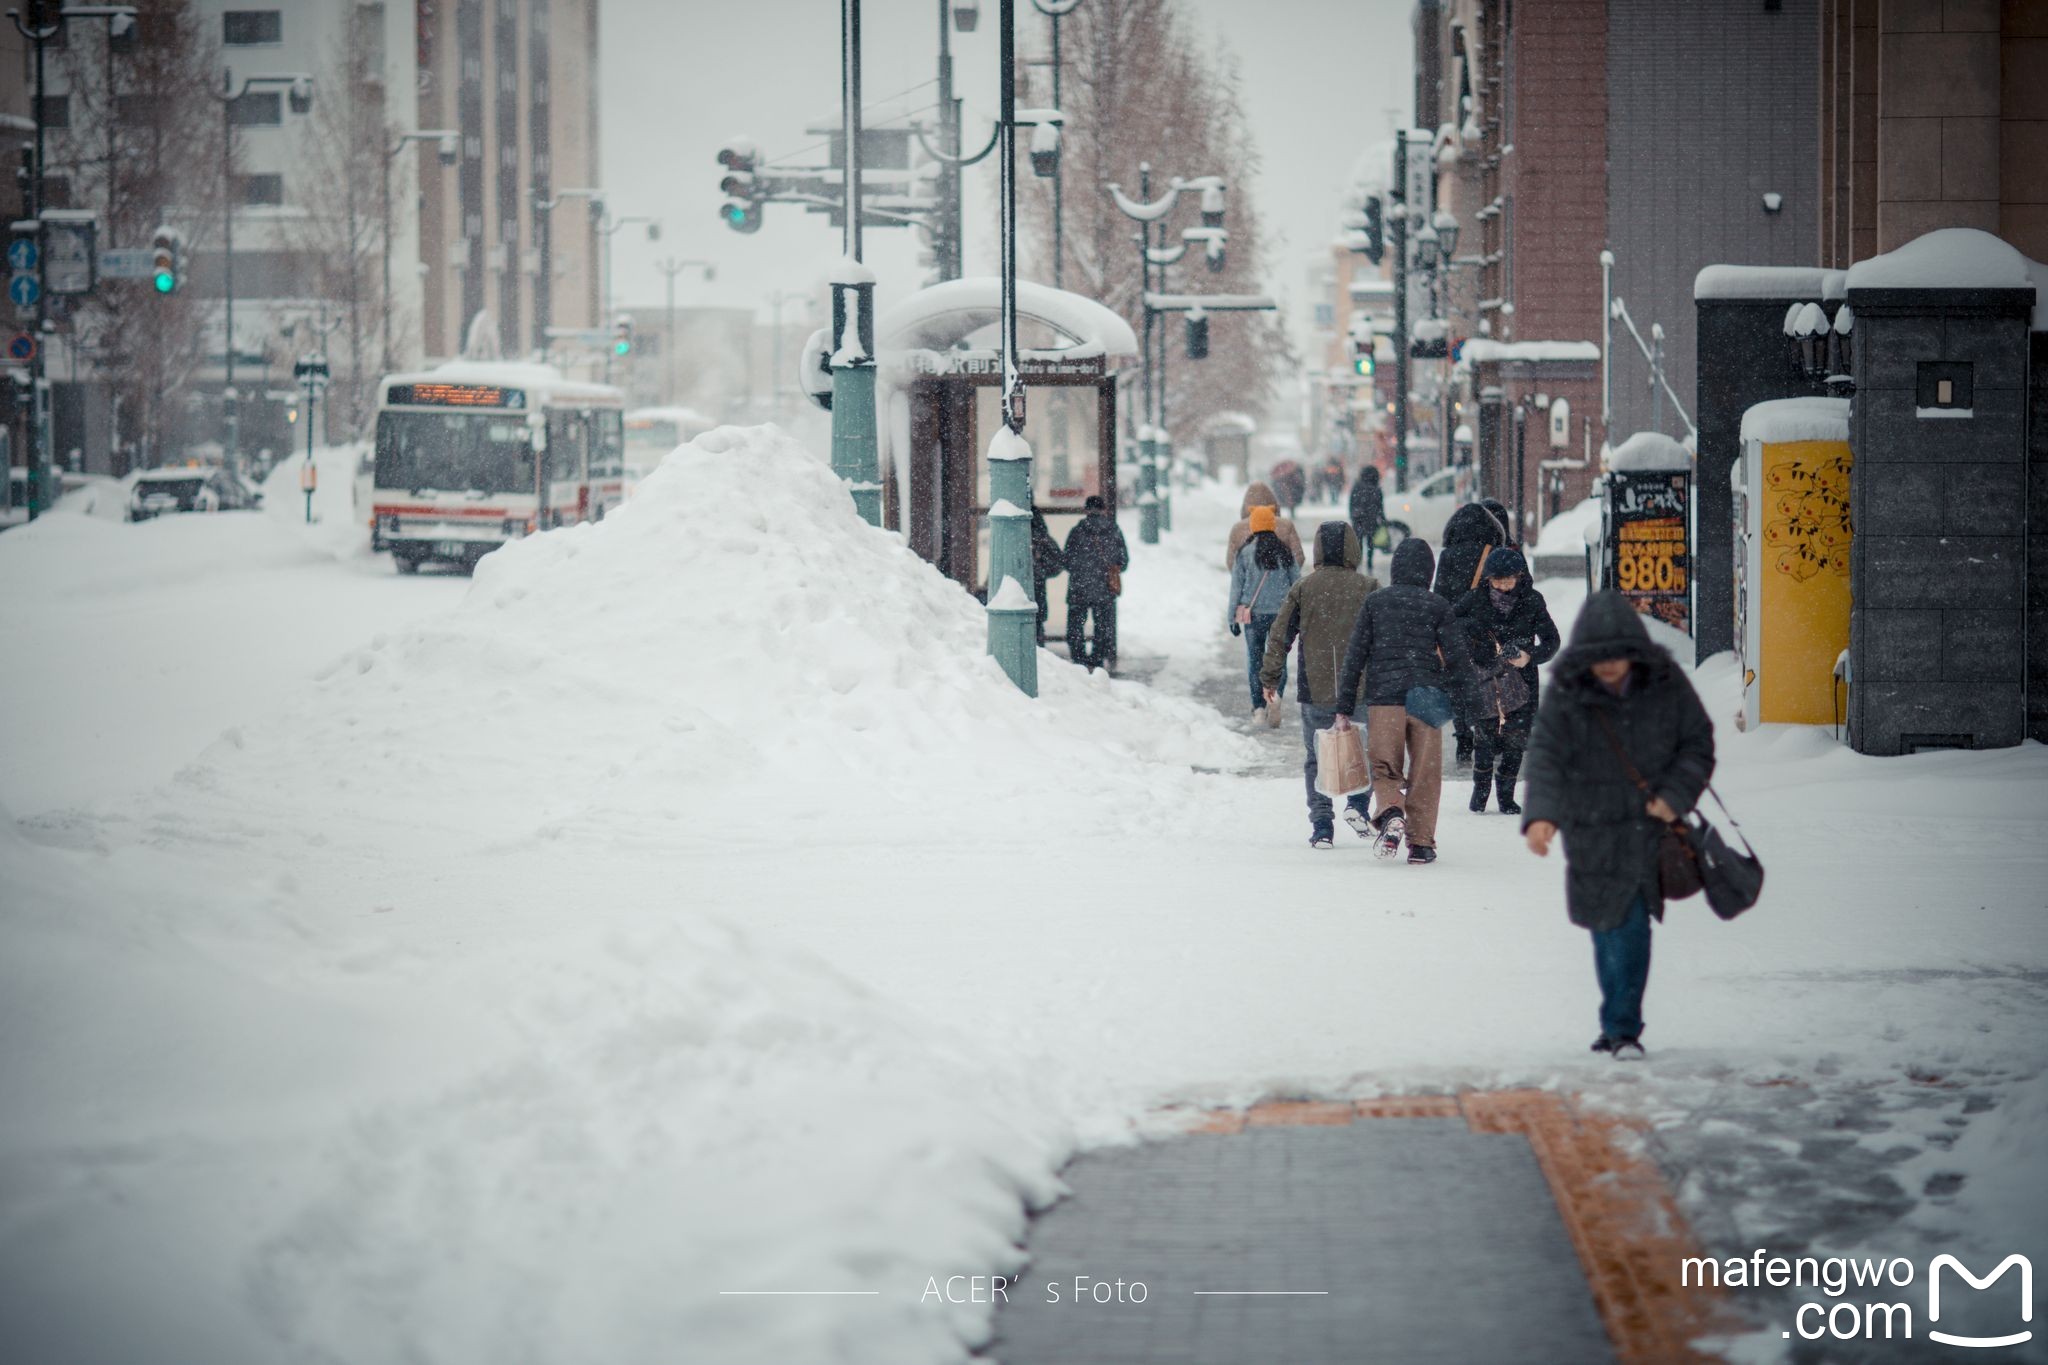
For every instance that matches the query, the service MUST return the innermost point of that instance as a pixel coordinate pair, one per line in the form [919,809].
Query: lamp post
[854,456]
[447,138]
[670,267]
[1145,211]
[605,230]
[544,283]
[1055,10]
[300,98]
[45,20]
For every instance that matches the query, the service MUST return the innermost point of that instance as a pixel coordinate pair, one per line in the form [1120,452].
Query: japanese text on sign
[1649,556]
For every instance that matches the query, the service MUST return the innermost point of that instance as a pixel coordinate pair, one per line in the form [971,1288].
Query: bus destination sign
[454,396]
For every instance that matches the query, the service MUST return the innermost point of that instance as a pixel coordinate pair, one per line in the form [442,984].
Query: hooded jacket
[1472,531]
[1321,609]
[1526,626]
[1094,547]
[1575,779]
[1368,503]
[1405,637]
[1260,495]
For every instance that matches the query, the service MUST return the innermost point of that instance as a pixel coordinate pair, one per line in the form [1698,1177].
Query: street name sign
[127,263]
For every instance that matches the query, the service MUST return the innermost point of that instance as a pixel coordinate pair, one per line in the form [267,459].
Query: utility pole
[854,456]
[671,267]
[1055,10]
[1398,197]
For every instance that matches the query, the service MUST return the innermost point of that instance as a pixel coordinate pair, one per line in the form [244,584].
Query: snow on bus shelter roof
[510,374]
[945,315]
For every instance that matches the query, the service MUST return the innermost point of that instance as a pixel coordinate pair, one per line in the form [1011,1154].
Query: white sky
[680,78]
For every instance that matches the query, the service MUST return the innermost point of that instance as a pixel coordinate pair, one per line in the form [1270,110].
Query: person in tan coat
[1259,495]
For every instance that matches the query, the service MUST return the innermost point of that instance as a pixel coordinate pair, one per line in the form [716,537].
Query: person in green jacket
[1321,610]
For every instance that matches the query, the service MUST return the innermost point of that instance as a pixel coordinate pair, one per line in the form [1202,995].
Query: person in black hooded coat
[1614,693]
[1505,624]
[1473,532]
[1368,509]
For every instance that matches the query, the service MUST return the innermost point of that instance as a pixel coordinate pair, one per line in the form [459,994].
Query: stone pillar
[1938,496]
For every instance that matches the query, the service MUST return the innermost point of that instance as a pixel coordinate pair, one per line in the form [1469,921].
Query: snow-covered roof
[1797,419]
[682,417]
[1482,350]
[1956,258]
[1767,282]
[946,314]
[1648,450]
[1232,421]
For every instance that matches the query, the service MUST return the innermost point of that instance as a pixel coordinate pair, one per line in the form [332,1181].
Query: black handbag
[1678,862]
[1732,880]
[1503,693]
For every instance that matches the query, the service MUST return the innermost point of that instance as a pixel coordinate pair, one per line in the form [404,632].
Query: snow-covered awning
[1484,351]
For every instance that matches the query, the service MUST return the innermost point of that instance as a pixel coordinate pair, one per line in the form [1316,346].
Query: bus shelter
[939,402]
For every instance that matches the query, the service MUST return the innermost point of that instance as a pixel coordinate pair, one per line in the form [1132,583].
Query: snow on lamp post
[1012,604]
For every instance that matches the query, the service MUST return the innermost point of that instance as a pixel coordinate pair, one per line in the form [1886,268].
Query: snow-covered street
[502,969]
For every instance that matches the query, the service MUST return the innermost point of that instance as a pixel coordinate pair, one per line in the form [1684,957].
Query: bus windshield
[490,452]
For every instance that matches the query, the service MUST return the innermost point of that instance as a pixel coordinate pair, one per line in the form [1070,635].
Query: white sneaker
[1258,716]
[1360,822]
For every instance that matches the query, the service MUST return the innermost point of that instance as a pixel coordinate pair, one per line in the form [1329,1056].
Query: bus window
[568,447]
[453,450]
[610,456]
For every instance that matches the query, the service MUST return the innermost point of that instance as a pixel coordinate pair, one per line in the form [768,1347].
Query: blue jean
[1321,810]
[1255,633]
[1621,960]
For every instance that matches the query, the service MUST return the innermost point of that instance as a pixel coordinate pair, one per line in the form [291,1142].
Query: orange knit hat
[1264,519]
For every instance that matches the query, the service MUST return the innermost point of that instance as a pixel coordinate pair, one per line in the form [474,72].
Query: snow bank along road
[524,969]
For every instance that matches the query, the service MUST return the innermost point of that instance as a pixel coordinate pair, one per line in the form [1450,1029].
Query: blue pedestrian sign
[24,290]
[21,347]
[21,254]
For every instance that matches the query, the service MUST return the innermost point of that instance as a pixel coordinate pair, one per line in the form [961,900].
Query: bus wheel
[406,563]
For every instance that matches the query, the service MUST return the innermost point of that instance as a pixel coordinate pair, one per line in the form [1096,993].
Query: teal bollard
[853,438]
[1165,483]
[1148,488]
[1012,610]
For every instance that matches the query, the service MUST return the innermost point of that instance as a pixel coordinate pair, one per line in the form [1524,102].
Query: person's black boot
[1482,787]
[1509,771]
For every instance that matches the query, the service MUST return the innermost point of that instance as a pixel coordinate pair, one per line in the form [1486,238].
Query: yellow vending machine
[1793,560]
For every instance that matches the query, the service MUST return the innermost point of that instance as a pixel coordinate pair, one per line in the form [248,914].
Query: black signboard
[1649,544]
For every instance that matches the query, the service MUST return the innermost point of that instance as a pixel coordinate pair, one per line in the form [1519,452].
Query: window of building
[136,110]
[257,109]
[252,27]
[57,192]
[55,111]
[261,189]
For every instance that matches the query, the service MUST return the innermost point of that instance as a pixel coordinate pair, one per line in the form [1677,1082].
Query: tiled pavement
[1418,1240]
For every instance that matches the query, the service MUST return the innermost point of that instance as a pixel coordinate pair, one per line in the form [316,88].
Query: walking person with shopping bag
[1508,626]
[1259,581]
[1622,748]
[1320,611]
[1409,654]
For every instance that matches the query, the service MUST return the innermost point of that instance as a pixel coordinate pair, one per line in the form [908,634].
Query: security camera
[447,149]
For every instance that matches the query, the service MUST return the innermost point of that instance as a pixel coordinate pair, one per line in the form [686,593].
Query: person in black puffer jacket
[1368,509]
[1616,700]
[1508,625]
[1405,639]
[1474,531]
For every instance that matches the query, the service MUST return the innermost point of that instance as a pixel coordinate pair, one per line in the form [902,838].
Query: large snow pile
[422,1019]
[1797,419]
[732,640]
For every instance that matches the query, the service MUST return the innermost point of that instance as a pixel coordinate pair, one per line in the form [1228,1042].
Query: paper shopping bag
[1341,769]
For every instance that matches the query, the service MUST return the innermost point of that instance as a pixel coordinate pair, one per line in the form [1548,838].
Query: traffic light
[163,268]
[1361,365]
[622,336]
[1198,334]
[742,208]
[1375,230]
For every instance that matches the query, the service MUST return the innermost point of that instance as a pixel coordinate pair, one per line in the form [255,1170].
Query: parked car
[1424,510]
[190,489]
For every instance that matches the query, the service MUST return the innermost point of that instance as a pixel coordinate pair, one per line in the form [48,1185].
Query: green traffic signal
[622,347]
[165,281]
[1362,365]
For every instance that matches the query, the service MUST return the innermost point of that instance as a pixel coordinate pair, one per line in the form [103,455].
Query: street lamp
[671,267]
[607,229]
[39,29]
[448,140]
[543,231]
[1045,142]
[299,95]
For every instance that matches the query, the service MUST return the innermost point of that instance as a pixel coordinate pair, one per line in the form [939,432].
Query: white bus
[477,453]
